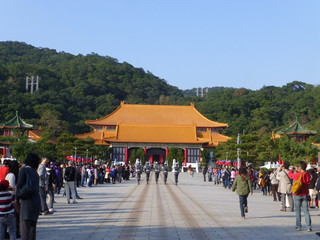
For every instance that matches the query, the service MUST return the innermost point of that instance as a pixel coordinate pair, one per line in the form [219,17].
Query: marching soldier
[176,170]
[138,170]
[148,170]
[157,172]
[165,172]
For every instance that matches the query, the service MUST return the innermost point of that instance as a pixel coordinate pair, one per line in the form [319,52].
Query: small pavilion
[297,132]
[14,127]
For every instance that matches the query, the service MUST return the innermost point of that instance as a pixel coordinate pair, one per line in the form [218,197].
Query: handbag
[297,185]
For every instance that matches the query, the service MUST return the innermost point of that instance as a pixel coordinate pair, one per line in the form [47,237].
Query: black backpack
[69,174]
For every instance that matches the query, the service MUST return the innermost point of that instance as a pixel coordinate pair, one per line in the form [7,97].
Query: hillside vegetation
[74,88]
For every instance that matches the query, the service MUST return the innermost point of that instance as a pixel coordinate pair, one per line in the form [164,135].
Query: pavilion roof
[16,122]
[297,128]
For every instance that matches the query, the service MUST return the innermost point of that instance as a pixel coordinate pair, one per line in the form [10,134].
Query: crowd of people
[278,183]
[27,190]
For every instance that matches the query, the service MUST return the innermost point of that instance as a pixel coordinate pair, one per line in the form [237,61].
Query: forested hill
[76,88]
[72,88]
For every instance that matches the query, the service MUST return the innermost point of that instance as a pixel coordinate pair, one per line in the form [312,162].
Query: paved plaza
[192,210]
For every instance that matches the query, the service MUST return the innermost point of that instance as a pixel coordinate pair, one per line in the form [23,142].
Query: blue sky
[189,43]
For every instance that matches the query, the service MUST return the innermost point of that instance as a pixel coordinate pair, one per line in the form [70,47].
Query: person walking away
[138,170]
[210,174]
[176,171]
[263,182]
[43,185]
[274,186]
[69,177]
[113,174]
[157,171]
[204,172]
[12,178]
[83,175]
[28,197]
[233,175]
[165,172]
[51,180]
[107,176]
[301,199]
[89,176]
[285,186]
[78,176]
[120,172]
[148,170]
[226,178]
[312,185]
[4,169]
[243,186]
[318,190]
[7,215]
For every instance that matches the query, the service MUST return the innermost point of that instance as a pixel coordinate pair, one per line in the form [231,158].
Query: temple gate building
[155,129]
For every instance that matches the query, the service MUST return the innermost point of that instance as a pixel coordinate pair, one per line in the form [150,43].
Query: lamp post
[86,156]
[238,152]
[75,153]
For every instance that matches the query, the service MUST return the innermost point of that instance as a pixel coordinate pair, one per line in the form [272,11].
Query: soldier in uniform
[148,170]
[165,172]
[157,172]
[138,170]
[176,170]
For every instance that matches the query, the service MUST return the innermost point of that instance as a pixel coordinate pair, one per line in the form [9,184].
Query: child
[7,217]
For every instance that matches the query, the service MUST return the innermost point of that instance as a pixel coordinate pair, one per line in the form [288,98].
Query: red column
[161,158]
[150,159]
[4,152]
[185,157]
[167,152]
[126,153]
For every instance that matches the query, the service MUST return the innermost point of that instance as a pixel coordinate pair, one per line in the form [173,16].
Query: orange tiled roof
[96,135]
[36,134]
[156,115]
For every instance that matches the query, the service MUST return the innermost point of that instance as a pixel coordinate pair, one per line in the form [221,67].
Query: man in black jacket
[28,194]
[69,177]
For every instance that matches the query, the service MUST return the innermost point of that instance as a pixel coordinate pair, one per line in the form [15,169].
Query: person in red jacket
[301,199]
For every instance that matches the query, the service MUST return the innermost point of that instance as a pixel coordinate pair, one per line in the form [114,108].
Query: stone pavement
[192,210]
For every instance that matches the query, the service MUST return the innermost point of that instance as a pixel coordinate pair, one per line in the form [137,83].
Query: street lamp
[86,156]
[238,152]
[75,153]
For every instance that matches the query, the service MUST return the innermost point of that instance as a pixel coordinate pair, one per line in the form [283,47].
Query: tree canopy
[75,88]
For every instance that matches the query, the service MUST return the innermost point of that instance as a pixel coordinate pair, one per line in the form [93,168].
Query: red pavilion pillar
[185,157]
[126,153]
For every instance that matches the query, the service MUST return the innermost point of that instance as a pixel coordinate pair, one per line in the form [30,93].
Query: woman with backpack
[300,194]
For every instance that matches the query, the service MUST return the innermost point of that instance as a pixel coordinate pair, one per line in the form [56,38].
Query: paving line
[205,211]
[162,220]
[193,225]
[118,206]
[129,230]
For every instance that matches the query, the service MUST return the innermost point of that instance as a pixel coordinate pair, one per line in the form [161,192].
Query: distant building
[156,128]
[200,92]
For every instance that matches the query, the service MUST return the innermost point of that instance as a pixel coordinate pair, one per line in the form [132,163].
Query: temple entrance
[156,155]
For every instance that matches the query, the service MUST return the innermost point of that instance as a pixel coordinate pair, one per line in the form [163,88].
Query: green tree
[175,153]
